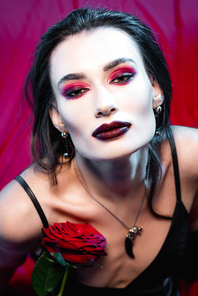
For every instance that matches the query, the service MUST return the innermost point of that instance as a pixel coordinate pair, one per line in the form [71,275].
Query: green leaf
[92,265]
[47,274]
[59,258]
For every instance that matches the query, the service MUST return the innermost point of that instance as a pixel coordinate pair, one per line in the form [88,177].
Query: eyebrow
[117,62]
[109,66]
[72,76]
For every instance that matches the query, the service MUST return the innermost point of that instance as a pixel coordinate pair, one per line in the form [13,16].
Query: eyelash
[74,93]
[123,78]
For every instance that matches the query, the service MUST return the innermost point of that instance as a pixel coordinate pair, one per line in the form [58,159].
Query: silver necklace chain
[146,182]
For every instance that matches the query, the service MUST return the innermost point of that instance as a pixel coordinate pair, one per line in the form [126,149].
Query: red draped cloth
[175,24]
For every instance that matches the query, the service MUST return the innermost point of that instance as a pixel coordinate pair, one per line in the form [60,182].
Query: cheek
[146,115]
[145,93]
[75,121]
[70,123]
[138,103]
[138,95]
[74,112]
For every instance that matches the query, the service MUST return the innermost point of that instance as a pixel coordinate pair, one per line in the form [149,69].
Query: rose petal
[67,246]
[77,242]
[81,259]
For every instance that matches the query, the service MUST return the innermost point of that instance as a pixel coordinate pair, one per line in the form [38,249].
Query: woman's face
[103,94]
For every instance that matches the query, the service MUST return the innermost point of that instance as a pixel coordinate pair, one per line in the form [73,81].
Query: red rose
[78,243]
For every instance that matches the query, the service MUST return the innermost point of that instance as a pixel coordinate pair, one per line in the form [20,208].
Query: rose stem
[67,268]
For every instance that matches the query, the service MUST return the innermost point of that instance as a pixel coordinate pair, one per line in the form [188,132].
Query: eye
[122,75]
[74,93]
[122,78]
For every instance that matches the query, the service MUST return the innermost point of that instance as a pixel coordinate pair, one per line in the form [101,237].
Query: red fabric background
[22,23]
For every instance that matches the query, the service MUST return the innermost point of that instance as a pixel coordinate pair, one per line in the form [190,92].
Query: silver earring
[157,112]
[64,135]
[70,151]
[157,133]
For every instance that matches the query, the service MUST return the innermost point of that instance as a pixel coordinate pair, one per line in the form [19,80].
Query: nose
[104,103]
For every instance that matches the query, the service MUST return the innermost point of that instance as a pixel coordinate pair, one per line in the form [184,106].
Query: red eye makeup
[122,75]
[74,90]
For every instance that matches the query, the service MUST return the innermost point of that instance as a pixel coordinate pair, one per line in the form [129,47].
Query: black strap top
[156,279]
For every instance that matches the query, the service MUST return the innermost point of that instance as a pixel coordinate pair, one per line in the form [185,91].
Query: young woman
[105,154]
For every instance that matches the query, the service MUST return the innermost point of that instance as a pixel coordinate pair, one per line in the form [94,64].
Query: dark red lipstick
[111,130]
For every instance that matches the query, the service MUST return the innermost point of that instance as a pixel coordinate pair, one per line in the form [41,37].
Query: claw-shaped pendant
[130,239]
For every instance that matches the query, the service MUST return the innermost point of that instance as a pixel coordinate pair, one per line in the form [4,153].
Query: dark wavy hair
[46,139]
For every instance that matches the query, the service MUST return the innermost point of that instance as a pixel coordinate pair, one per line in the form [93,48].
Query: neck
[118,176]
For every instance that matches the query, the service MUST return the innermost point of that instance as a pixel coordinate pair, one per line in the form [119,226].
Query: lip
[111,130]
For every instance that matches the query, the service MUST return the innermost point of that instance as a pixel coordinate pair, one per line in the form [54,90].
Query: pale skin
[113,170]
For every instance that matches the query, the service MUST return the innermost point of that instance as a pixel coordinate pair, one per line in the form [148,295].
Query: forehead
[93,49]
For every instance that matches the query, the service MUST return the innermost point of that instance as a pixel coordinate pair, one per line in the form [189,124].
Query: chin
[117,149]
[112,155]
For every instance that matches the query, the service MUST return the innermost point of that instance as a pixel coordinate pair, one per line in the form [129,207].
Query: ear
[158,97]
[56,118]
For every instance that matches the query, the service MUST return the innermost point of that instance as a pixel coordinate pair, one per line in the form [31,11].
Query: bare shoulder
[19,220]
[186,139]
[187,145]
[189,133]
[20,226]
